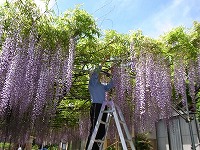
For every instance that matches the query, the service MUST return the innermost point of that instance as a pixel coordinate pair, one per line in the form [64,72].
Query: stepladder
[112,111]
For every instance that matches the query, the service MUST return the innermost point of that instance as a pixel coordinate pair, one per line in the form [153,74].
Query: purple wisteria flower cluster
[32,81]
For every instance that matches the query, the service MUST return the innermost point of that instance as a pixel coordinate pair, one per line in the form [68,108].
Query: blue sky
[153,17]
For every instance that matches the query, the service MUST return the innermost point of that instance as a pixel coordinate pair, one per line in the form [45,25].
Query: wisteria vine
[28,76]
[36,73]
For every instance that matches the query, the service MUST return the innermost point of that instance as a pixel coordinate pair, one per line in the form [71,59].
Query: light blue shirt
[96,89]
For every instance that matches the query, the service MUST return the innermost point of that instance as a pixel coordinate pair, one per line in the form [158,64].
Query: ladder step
[107,111]
[102,122]
[99,141]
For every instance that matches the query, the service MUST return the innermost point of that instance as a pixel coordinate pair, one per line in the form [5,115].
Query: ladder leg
[103,122]
[125,128]
[119,129]
[102,129]
[106,125]
[96,128]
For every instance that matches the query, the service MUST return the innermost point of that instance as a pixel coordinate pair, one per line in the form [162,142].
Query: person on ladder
[97,94]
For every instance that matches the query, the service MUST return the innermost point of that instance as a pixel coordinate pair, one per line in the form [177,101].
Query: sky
[153,17]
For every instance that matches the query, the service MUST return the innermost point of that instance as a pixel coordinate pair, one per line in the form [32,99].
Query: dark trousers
[94,113]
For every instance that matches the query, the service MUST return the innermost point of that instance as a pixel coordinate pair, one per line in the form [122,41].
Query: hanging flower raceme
[33,69]
[28,76]
[12,92]
[192,80]
[122,95]
[164,89]
[118,76]
[141,101]
[7,54]
[83,127]
[198,70]
[68,66]
[140,86]
[179,82]
[42,93]
[123,86]
[152,91]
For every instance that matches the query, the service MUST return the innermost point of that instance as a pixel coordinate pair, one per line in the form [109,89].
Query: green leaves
[179,44]
[80,23]
[23,16]
[69,112]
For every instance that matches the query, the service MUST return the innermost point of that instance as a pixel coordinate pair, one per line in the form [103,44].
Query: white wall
[175,134]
